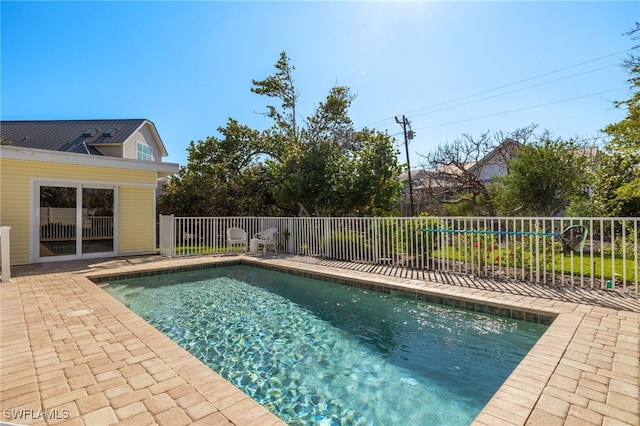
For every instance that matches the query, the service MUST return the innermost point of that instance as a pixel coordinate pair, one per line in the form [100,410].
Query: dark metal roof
[79,136]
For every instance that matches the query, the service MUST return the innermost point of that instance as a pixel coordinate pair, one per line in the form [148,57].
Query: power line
[525,80]
[520,109]
[505,85]
[514,91]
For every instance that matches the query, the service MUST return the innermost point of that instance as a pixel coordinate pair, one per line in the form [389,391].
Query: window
[143,152]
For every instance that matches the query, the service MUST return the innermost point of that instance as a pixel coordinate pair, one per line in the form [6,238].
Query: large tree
[326,167]
[222,178]
[322,167]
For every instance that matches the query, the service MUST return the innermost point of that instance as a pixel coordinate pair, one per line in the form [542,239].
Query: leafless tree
[461,171]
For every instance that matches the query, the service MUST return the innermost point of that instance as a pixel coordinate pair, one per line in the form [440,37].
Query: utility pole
[408,135]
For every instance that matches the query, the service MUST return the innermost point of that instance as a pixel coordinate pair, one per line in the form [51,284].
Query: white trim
[70,158]
[93,183]
[99,144]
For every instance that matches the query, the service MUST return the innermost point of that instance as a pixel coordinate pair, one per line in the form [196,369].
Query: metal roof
[79,136]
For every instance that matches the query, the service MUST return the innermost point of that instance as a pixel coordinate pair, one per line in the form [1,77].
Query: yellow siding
[15,195]
[14,206]
[137,221]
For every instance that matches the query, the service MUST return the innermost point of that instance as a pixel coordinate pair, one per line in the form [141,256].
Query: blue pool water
[315,352]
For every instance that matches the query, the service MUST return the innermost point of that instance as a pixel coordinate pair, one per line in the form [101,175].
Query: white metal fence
[576,252]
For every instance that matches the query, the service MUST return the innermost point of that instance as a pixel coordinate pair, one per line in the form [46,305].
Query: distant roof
[416,174]
[79,136]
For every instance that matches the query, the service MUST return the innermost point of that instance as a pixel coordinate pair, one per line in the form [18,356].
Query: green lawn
[599,267]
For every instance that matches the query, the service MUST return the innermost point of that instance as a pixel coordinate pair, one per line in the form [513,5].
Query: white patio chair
[236,237]
[266,238]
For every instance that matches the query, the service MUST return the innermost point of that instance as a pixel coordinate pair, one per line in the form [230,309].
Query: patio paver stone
[70,351]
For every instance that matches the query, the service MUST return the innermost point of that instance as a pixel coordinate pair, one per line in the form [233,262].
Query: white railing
[574,252]
[97,227]
[93,228]
[184,236]
[5,253]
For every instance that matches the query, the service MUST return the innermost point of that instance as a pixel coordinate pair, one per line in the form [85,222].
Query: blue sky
[452,68]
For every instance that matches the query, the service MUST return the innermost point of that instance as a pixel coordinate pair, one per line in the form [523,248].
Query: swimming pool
[315,352]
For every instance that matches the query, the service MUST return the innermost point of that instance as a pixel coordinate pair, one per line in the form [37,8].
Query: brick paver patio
[70,354]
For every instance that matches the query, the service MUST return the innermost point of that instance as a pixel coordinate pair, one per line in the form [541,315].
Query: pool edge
[536,316]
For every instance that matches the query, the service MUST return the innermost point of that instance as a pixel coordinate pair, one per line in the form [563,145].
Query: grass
[603,267]
[598,267]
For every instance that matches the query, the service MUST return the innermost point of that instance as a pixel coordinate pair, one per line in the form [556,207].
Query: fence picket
[531,249]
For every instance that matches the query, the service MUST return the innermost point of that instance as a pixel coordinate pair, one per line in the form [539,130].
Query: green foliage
[222,178]
[543,177]
[616,185]
[481,207]
[481,249]
[408,236]
[396,238]
[281,86]
[370,186]
[353,240]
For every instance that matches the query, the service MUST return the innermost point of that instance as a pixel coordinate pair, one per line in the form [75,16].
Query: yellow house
[74,189]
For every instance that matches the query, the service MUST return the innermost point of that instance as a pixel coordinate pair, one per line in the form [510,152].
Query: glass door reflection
[97,220]
[58,216]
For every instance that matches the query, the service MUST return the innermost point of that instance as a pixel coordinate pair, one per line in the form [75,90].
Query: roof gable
[77,136]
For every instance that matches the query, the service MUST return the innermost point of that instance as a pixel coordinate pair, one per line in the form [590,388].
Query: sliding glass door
[97,220]
[74,221]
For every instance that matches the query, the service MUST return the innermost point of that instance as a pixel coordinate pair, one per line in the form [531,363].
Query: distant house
[72,189]
[494,164]
[432,187]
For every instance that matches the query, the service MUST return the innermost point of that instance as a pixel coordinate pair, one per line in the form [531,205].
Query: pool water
[315,352]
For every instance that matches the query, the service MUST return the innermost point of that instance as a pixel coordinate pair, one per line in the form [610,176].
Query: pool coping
[584,369]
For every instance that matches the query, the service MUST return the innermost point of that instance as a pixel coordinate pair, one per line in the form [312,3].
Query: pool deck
[70,354]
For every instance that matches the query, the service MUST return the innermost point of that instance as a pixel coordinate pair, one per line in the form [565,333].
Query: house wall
[112,151]
[137,220]
[14,206]
[144,136]
[491,171]
[136,204]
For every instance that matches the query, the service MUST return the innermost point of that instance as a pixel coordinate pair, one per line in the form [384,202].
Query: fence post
[167,238]
[5,253]
[161,242]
